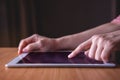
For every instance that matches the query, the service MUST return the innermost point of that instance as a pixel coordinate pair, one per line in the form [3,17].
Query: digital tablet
[56,59]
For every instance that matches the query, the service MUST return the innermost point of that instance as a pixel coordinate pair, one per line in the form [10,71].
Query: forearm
[72,41]
[69,41]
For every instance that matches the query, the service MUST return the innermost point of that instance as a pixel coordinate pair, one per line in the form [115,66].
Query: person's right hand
[99,46]
[36,43]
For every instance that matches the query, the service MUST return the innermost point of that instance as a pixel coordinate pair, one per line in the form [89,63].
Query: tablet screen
[57,57]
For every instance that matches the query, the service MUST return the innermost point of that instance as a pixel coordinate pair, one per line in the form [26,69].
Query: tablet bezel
[14,63]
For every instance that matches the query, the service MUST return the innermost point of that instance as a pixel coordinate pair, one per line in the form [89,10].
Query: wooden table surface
[7,54]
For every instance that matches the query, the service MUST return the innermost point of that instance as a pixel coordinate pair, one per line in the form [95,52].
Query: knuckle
[97,58]
[29,47]
[41,42]
[35,35]
[95,36]
[91,56]
[101,38]
[22,41]
[109,42]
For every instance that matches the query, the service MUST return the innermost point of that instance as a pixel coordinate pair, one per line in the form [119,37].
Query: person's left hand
[37,43]
[100,46]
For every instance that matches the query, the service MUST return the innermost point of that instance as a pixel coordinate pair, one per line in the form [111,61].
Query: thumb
[31,47]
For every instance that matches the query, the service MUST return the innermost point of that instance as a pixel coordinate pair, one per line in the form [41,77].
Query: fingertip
[105,61]
[86,52]
[19,52]
[105,58]
[70,56]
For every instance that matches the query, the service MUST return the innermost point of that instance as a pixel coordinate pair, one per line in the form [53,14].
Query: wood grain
[7,54]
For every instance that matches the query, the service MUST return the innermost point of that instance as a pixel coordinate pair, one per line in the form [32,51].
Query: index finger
[23,43]
[84,46]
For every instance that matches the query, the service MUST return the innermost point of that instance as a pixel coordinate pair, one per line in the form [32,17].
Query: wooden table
[7,54]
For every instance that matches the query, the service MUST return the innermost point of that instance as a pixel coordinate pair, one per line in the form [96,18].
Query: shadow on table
[117,58]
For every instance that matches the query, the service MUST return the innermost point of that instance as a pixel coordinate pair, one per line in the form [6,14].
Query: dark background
[53,18]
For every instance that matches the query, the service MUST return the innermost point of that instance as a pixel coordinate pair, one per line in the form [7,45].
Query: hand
[36,42]
[100,46]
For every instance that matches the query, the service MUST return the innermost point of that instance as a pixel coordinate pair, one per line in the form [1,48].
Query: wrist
[63,43]
[58,43]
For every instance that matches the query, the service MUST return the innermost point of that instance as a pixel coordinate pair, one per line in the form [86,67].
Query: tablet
[55,59]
